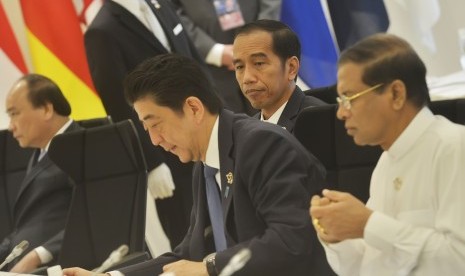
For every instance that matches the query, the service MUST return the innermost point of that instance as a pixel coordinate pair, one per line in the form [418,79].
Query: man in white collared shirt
[413,222]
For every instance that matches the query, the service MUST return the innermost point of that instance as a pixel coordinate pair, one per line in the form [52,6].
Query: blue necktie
[215,208]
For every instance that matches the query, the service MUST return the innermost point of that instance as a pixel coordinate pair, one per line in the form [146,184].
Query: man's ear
[399,94]
[48,110]
[293,64]
[194,107]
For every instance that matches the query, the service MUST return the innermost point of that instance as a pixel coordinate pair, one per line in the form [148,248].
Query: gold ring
[317,225]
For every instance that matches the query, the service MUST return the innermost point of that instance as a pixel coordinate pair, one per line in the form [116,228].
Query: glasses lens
[343,101]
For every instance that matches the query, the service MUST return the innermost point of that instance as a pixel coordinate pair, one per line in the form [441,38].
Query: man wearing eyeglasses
[413,223]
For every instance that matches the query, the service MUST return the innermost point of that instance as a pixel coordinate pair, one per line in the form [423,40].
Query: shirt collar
[275,117]
[134,7]
[411,133]
[60,131]
[212,157]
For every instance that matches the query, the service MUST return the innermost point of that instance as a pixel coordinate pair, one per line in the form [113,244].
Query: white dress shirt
[212,157]
[275,117]
[417,194]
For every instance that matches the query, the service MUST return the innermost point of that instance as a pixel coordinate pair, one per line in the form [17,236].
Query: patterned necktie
[215,208]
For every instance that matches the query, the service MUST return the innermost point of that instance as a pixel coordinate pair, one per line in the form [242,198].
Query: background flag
[319,54]
[57,51]
[12,65]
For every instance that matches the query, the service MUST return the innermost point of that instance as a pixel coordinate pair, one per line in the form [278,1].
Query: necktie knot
[209,171]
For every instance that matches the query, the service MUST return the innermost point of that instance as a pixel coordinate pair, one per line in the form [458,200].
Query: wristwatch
[210,263]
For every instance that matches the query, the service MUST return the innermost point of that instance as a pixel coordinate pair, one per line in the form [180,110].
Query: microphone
[16,252]
[114,257]
[237,262]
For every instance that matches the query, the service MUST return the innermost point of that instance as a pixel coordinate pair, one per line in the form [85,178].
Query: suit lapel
[134,25]
[33,171]
[225,140]
[291,110]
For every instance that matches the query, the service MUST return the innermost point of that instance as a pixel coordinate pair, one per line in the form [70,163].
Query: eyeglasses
[345,101]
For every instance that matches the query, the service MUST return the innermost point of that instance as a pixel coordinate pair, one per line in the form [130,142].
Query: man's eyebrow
[260,54]
[254,55]
[149,116]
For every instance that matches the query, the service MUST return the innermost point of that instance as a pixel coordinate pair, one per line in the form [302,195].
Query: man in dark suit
[120,37]
[38,111]
[266,59]
[264,177]
[214,43]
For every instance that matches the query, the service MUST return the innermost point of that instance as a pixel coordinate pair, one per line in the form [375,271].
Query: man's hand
[28,263]
[77,271]
[160,182]
[338,216]
[227,57]
[183,267]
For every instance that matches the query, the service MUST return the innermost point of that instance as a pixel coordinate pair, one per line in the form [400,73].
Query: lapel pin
[229,177]
[156,4]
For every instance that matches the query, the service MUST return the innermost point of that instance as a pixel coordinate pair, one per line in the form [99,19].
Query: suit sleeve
[279,185]
[203,42]
[53,245]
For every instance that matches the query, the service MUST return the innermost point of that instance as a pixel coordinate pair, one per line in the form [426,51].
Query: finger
[324,201]
[166,268]
[334,195]
[315,201]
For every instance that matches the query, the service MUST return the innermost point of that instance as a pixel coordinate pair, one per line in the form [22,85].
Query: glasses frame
[345,101]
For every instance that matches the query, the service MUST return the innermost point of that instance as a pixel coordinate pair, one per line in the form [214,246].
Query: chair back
[13,165]
[109,198]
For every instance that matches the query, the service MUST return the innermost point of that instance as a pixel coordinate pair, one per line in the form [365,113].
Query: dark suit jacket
[265,202]
[116,42]
[41,206]
[296,103]
[201,22]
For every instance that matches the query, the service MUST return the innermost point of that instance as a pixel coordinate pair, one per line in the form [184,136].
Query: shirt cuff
[44,255]
[115,273]
[215,55]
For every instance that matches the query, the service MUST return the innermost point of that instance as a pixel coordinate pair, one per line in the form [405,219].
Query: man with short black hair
[257,194]
[266,57]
